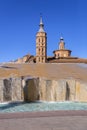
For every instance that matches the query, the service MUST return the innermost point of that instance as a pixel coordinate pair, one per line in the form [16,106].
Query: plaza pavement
[54,120]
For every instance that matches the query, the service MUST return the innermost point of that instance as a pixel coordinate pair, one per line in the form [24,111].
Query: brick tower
[41,44]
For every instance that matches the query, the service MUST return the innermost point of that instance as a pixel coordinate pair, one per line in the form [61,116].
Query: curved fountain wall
[62,90]
[32,89]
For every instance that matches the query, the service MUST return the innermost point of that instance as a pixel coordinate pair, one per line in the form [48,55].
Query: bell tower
[41,44]
[61,44]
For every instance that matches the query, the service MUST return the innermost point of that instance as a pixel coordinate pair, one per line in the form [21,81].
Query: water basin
[41,106]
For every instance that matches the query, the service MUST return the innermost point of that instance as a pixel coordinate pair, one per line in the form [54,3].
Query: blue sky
[19,20]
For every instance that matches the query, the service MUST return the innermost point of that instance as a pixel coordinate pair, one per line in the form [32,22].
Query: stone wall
[62,90]
[52,90]
[55,90]
[33,89]
[81,91]
[10,89]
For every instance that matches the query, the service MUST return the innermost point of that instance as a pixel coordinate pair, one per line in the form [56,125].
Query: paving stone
[66,120]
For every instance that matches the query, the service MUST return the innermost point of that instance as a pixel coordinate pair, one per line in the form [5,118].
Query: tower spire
[41,29]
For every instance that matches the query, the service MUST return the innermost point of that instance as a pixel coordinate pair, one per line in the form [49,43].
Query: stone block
[71,86]
[31,90]
[1,90]
[16,89]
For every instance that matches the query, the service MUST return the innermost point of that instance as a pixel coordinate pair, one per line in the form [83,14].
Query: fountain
[42,94]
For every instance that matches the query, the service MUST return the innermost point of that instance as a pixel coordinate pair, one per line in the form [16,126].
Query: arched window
[39,39]
[42,39]
[42,59]
[58,54]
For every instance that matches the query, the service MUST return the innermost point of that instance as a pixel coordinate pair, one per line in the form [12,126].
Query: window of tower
[58,54]
[39,39]
[39,51]
[42,51]
[42,59]
[42,39]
